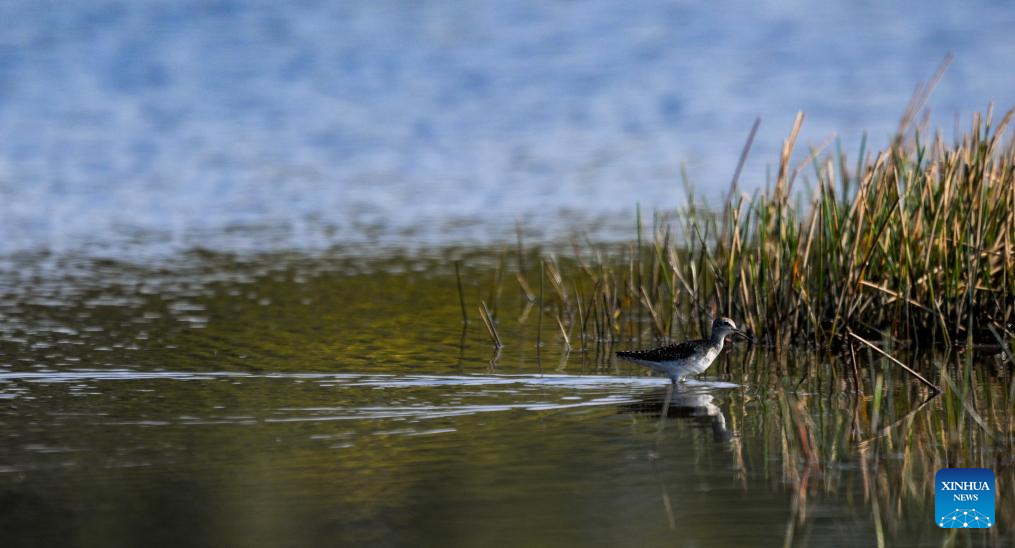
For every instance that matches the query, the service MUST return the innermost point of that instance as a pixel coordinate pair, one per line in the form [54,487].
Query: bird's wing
[672,352]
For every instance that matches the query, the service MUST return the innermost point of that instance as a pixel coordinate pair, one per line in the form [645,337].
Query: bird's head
[723,326]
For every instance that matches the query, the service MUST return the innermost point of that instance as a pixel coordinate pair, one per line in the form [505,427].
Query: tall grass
[913,242]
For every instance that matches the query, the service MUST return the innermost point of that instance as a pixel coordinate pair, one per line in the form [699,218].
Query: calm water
[297,400]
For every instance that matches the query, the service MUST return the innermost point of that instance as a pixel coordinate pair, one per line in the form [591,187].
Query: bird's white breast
[706,360]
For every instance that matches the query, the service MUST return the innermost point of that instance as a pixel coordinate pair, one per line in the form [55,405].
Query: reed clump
[914,242]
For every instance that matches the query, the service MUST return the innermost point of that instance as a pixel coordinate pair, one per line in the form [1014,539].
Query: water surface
[293,400]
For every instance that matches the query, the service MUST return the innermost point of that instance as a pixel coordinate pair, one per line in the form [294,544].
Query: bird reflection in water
[693,403]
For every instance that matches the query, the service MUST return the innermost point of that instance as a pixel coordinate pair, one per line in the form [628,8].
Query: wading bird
[679,361]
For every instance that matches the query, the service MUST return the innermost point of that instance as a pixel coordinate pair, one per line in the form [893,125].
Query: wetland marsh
[316,274]
[251,401]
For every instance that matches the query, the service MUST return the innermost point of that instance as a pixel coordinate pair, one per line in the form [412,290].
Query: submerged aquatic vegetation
[914,242]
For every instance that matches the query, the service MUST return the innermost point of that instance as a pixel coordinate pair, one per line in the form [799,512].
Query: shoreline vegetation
[912,244]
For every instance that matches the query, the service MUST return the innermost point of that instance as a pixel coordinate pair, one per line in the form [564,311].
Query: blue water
[137,128]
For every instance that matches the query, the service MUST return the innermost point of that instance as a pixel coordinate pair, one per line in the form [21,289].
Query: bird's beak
[744,334]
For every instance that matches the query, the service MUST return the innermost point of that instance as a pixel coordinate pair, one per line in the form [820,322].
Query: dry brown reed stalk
[491,328]
[564,335]
[524,285]
[908,369]
[539,327]
[461,294]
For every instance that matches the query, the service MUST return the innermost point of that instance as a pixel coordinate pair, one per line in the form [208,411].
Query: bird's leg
[666,404]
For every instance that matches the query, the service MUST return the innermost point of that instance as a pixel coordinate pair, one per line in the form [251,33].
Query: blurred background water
[134,129]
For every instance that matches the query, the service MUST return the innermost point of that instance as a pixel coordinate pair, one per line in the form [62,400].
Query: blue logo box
[964,498]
